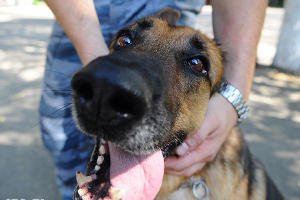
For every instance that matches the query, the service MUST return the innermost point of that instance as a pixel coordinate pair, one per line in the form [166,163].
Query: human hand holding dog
[202,146]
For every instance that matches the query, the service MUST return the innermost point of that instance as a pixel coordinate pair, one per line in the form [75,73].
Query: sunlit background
[26,169]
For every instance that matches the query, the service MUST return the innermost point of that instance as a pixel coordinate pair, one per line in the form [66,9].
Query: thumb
[193,141]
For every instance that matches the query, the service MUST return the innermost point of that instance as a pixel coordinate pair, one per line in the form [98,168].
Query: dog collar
[198,186]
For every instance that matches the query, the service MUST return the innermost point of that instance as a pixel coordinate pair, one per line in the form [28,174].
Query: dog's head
[147,95]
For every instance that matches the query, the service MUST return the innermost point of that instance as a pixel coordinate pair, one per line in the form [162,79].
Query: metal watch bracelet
[233,96]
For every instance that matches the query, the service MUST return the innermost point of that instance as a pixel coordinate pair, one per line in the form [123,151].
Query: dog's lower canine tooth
[97,167]
[102,150]
[100,160]
[82,179]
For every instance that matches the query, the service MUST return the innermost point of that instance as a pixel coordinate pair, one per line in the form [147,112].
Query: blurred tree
[276,3]
[288,49]
[35,2]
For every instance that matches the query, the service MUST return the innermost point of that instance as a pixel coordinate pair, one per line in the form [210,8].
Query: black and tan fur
[233,174]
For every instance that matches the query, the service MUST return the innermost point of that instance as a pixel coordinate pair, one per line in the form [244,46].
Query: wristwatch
[233,96]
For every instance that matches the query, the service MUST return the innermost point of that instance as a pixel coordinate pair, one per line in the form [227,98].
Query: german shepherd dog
[141,101]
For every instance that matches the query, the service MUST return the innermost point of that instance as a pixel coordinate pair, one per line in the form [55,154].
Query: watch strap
[233,96]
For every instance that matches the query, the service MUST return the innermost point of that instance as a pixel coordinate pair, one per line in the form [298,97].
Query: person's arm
[237,26]
[80,22]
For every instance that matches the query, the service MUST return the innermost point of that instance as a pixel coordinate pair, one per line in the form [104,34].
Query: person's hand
[202,146]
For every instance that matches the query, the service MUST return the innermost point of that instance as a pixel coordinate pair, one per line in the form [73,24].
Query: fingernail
[182,149]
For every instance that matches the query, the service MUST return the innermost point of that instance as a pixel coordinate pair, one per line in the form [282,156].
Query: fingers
[202,146]
[180,163]
[208,126]
[204,153]
[220,115]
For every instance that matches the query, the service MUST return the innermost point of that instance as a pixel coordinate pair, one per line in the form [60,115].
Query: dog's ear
[215,53]
[171,15]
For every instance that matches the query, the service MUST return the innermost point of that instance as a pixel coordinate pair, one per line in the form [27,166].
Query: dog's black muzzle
[115,90]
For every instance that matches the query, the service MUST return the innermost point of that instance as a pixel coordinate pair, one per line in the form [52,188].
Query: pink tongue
[139,175]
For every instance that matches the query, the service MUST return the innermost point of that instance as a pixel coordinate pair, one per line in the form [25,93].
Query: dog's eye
[124,41]
[197,65]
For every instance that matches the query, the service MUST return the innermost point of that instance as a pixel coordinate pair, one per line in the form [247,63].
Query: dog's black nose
[111,93]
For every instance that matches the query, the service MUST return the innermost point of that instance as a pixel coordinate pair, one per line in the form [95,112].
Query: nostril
[127,105]
[84,89]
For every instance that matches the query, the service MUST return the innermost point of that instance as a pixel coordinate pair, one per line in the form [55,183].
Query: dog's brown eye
[197,65]
[124,41]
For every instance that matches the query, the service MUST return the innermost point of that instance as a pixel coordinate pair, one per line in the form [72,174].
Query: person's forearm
[80,22]
[237,26]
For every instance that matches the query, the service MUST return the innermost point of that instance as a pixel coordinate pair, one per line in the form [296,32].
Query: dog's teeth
[97,167]
[82,179]
[100,160]
[116,193]
[102,150]
[87,196]
[82,191]
[103,141]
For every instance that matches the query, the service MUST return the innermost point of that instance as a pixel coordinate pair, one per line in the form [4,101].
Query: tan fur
[191,113]
[259,186]
[224,175]
[170,184]
[185,194]
[189,118]
[225,180]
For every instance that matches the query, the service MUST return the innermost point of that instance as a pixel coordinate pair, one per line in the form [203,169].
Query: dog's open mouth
[115,174]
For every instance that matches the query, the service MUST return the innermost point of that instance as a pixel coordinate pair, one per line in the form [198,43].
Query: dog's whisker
[52,115]
[61,92]
[59,73]
[58,90]
[59,109]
